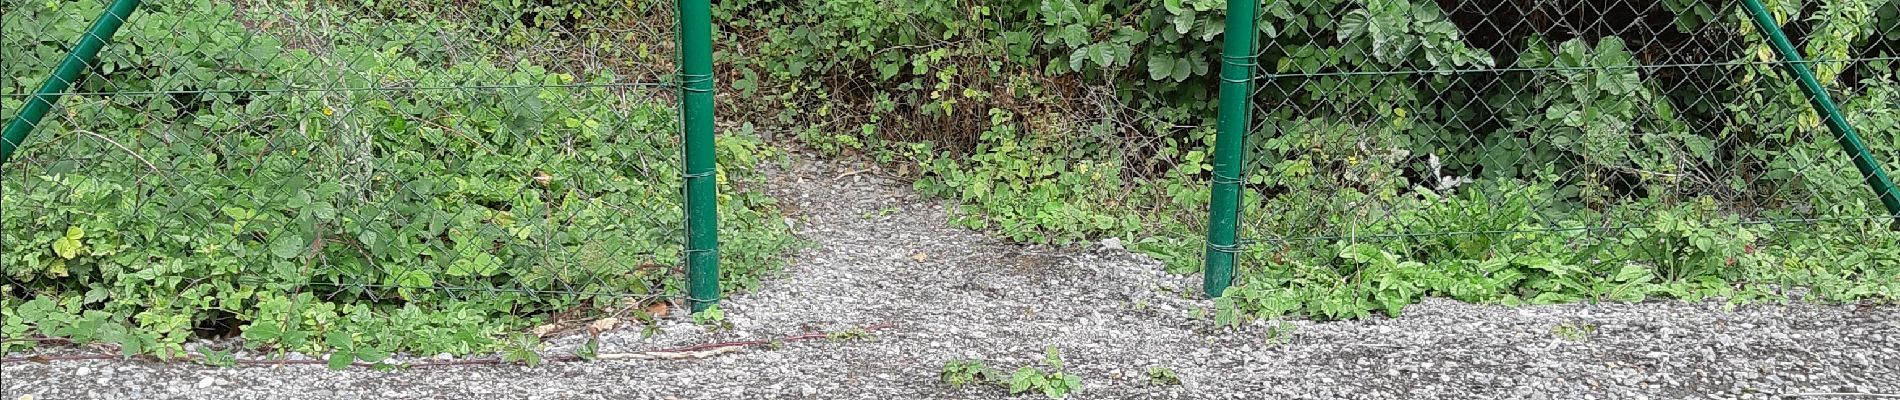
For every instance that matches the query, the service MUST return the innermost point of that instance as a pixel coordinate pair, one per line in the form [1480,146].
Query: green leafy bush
[1404,149]
[223,171]
[1483,151]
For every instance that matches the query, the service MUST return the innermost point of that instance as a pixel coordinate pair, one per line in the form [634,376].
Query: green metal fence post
[696,107]
[69,69]
[1863,159]
[1236,87]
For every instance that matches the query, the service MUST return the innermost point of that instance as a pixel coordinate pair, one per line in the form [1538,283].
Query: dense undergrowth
[324,178]
[1486,151]
[1503,152]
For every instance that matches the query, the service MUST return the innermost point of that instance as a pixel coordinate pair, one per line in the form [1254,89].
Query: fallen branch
[849,174]
[115,143]
[665,355]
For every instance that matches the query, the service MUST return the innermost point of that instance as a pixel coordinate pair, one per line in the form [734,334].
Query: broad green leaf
[477,264]
[1023,379]
[340,360]
[67,247]
[1352,25]
[287,246]
[262,331]
[415,279]
[338,339]
[371,355]
[1632,273]
[1160,67]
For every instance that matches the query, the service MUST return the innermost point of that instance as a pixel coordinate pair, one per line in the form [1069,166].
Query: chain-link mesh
[266,156]
[1525,142]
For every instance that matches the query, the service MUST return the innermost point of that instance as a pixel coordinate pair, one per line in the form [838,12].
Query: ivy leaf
[68,246]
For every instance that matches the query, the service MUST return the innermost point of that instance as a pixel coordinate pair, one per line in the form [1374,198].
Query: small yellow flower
[328,112]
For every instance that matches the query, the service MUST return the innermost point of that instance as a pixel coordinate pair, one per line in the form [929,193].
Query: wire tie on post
[1220,179]
[691,83]
[1228,249]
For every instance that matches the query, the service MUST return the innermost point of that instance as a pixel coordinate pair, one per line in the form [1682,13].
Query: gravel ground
[884,255]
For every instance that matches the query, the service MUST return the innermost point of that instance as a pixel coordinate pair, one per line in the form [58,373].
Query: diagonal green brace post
[69,69]
[1236,87]
[696,108]
[1876,177]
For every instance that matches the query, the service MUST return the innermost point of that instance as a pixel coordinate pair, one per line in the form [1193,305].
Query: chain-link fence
[281,165]
[1547,151]
[274,167]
